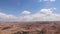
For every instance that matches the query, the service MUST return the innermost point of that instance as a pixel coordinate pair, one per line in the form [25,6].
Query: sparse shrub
[41,32]
[23,32]
[17,32]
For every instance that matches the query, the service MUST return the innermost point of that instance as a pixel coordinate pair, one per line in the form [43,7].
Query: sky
[29,10]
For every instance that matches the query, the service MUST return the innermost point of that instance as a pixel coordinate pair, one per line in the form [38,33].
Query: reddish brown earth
[30,28]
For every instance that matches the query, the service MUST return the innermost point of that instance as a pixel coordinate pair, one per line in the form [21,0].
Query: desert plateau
[30,28]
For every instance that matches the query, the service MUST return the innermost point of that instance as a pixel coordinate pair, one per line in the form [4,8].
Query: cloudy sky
[29,10]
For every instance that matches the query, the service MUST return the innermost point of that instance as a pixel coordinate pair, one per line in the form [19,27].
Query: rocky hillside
[30,28]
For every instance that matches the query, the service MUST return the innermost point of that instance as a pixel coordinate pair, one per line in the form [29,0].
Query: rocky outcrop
[31,28]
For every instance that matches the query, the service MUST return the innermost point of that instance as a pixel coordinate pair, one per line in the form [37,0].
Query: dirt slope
[30,28]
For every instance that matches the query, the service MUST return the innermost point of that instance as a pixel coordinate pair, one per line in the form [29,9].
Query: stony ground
[30,28]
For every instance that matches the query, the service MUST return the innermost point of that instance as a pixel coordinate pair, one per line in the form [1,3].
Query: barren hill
[30,28]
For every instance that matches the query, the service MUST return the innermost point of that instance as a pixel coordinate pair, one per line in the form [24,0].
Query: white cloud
[52,0]
[5,17]
[25,12]
[54,8]
[45,11]
[42,15]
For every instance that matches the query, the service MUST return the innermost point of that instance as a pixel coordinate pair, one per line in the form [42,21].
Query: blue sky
[29,10]
[15,7]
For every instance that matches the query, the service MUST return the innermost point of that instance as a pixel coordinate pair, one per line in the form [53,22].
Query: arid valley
[30,28]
